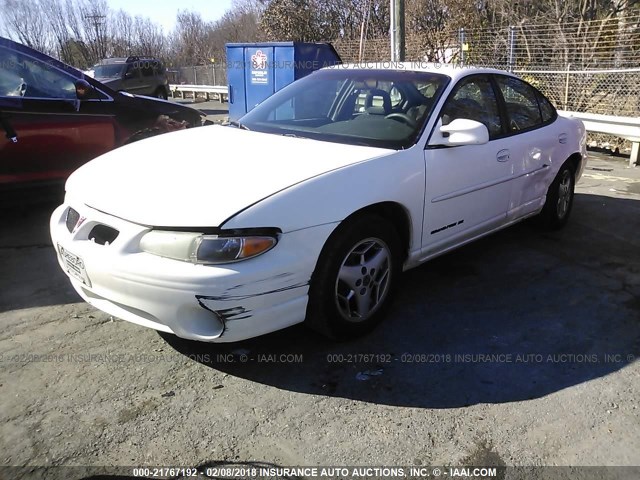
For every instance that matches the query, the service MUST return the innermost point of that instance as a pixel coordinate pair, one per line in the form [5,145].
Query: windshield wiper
[237,124]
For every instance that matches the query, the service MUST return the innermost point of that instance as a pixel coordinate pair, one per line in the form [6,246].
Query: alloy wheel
[564,194]
[363,280]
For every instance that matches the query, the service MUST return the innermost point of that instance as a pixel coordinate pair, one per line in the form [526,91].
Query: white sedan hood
[202,176]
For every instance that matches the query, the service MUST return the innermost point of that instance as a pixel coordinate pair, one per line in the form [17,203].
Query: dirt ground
[520,349]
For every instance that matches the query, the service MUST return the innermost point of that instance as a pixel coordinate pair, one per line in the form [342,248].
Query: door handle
[502,156]
[562,138]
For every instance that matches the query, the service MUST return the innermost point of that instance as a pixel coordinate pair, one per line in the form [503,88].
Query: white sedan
[311,206]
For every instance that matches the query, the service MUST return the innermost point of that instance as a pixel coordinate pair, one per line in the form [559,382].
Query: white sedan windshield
[381,108]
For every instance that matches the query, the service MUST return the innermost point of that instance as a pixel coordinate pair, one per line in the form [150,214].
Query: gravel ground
[517,350]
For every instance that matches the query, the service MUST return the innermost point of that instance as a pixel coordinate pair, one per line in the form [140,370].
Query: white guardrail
[625,127]
[218,92]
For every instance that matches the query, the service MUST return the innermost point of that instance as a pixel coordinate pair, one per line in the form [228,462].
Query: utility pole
[397,34]
[98,21]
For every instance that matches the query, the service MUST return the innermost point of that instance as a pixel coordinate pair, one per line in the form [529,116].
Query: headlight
[206,249]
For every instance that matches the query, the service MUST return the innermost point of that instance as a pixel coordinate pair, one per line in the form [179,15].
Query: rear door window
[521,103]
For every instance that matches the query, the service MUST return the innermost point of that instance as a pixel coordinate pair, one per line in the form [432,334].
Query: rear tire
[355,278]
[559,202]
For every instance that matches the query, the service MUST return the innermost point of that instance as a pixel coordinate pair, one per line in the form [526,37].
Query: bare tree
[64,30]
[324,20]
[123,39]
[27,23]
[189,39]
[150,37]
[288,20]
[93,15]
[81,32]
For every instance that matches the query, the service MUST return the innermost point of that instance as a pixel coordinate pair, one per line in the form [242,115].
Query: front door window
[27,77]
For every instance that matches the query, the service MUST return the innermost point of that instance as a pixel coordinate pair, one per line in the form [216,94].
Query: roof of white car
[452,70]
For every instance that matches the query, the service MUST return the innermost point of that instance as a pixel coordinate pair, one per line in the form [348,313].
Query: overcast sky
[164,11]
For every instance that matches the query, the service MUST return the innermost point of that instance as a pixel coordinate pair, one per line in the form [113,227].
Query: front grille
[103,234]
[72,219]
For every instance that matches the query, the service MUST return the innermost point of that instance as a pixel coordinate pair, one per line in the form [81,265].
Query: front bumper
[221,303]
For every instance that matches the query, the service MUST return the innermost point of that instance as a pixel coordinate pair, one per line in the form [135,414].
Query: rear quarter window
[548,111]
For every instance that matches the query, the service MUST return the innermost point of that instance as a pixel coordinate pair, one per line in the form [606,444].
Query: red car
[53,118]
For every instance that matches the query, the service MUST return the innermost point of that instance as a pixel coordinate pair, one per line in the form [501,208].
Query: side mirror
[84,90]
[129,75]
[461,131]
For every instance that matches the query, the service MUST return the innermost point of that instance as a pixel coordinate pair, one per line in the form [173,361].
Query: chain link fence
[213,74]
[613,43]
[608,92]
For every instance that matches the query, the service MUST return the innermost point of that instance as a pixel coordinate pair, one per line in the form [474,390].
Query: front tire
[355,278]
[559,202]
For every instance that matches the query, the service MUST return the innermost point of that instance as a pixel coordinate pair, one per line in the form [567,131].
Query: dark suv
[54,118]
[139,75]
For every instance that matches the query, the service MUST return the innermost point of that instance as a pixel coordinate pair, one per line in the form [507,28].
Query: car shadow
[516,316]
[30,275]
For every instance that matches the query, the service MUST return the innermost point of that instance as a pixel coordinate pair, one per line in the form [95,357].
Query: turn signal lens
[253,246]
[230,249]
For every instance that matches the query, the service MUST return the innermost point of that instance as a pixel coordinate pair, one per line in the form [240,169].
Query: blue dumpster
[256,71]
